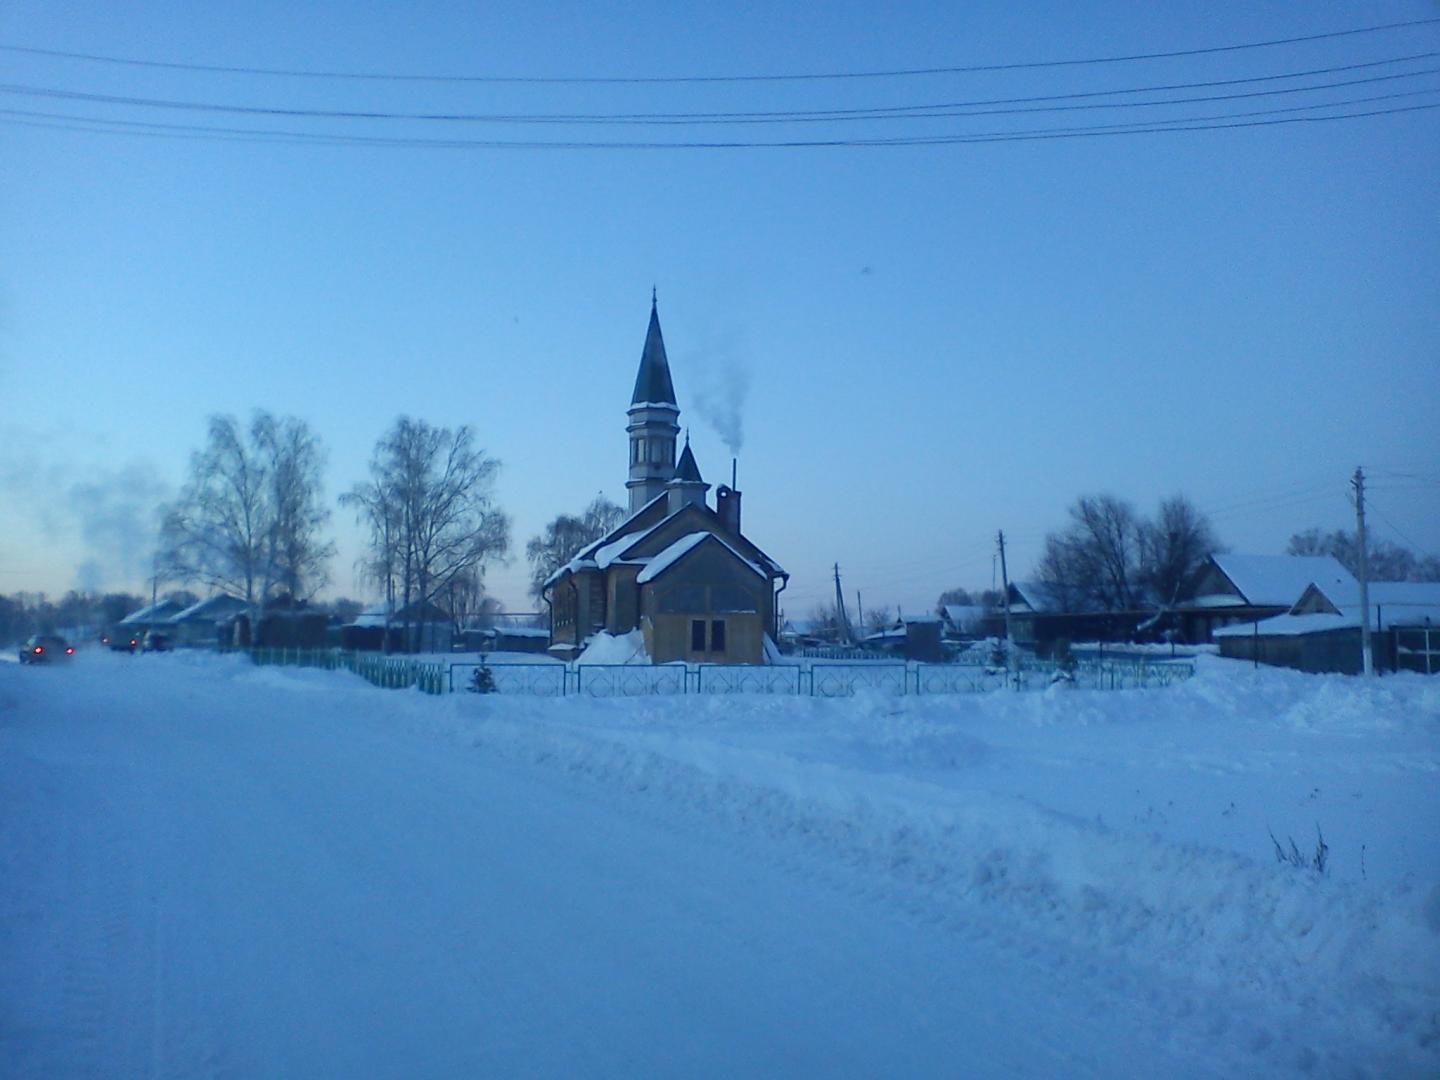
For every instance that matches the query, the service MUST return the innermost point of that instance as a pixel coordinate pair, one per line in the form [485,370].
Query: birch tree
[430,508]
[566,535]
[248,520]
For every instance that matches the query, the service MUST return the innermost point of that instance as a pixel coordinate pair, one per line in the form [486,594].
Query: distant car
[123,641]
[156,642]
[44,648]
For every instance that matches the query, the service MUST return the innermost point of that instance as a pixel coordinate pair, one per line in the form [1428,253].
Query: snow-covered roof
[383,613]
[1389,617]
[1038,596]
[1399,594]
[1280,579]
[214,607]
[620,539]
[610,549]
[151,613]
[682,547]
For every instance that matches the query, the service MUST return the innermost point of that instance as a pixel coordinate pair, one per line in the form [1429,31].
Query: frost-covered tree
[248,519]
[566,535]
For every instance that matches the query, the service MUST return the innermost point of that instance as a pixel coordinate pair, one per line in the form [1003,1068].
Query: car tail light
[69,650]
[133,643]
[39,649]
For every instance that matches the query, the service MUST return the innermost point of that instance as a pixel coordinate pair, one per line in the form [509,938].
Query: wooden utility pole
[1367,661]
[1005,600]
[840,610]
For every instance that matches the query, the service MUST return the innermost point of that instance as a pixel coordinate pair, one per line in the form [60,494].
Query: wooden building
[678,570]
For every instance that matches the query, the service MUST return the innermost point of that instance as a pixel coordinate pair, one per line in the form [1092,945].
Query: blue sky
[937,341]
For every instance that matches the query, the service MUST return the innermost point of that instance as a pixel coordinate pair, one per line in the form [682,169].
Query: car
[123,641]
[43,648]
[156,642]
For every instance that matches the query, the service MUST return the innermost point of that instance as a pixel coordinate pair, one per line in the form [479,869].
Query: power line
[97,125]
[1393,527]
[1029,65]
[934,110]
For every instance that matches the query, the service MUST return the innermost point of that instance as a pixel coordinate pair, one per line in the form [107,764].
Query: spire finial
[652,296]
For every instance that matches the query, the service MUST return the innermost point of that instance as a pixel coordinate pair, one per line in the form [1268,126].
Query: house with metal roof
[677,569]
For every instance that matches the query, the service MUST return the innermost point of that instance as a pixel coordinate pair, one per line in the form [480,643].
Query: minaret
[688,486]
[653,414]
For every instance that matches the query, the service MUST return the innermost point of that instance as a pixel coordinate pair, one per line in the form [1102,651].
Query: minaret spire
[653,413]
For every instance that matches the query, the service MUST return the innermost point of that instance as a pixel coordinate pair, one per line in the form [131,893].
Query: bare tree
[218,531]
[375,507]
[1094,562]
[961,597]
[878,619]
[1172,547]
[294,461]
[247,521]
[566,535]
[431,512]
[468,601]
[1384,561]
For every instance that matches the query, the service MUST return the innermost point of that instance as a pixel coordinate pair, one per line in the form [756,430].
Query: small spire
[652,296]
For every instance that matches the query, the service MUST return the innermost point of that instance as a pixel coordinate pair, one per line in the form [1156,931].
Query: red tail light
[38,650]
[133,643]
[69,650]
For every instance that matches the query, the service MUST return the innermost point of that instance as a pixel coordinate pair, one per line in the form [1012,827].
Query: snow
[663,560]
[208,868]
[162,609]
[214,607]
[1278,580]
[608,648]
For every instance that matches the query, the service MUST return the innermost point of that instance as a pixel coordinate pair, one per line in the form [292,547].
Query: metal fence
[839,679]
[390,672]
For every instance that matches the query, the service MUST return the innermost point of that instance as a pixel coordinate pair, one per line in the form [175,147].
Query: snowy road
[212,871]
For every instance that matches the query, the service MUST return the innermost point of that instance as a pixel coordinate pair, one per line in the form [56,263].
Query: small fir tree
[483,681]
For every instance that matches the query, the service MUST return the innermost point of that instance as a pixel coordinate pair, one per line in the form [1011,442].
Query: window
[717,635]
[697,635]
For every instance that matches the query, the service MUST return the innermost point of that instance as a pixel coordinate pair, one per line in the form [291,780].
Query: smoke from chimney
[722,382]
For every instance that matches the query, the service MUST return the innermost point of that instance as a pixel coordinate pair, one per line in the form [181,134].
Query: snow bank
[927,796]
[607,648]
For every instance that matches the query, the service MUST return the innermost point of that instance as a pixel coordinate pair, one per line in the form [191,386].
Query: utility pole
[1367,660]
[840,609]
[1005,600]
[859,612]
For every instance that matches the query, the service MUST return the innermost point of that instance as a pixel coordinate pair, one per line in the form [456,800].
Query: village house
[1231,589]
[677,571]
[1321,630]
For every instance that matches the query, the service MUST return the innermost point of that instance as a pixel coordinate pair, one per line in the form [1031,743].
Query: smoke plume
[722,382]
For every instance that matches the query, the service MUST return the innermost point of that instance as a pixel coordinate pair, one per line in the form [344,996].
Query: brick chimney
[727,506]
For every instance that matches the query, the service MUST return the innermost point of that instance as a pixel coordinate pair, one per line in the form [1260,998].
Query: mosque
[677,570]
